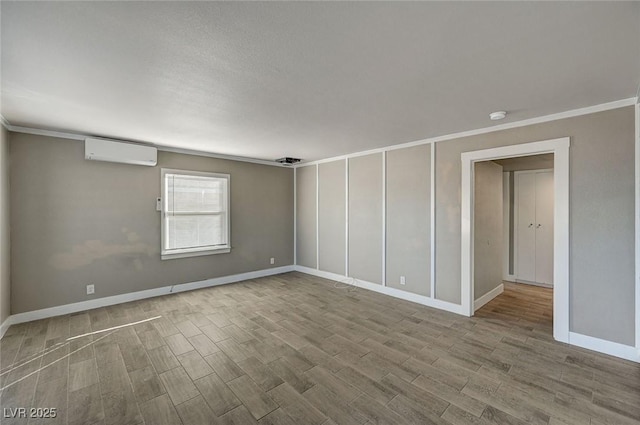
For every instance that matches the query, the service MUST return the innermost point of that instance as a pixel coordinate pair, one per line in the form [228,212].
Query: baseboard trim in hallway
[480,302]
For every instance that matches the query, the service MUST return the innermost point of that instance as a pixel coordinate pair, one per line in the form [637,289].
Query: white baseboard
[134,296]
[397,293]
[591,343]
[529,282]
[603,346]
[477,304]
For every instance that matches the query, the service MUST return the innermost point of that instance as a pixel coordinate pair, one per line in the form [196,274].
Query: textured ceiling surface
[309,80]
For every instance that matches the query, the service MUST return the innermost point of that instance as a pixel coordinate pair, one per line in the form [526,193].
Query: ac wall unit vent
[288,160]
[125,153]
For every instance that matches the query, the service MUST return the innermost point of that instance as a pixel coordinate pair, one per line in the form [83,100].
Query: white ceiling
[308,80]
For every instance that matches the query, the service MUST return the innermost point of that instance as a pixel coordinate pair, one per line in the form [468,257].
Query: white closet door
[526,231]
[544,227]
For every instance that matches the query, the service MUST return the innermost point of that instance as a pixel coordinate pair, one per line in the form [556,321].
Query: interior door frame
[560,148]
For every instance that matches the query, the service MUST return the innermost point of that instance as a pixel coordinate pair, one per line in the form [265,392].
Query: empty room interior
[320,213]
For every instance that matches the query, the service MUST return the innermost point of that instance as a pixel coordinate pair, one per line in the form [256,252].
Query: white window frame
[168,254]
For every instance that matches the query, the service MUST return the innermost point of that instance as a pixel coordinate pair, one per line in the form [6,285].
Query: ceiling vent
[125,153]
[288,160]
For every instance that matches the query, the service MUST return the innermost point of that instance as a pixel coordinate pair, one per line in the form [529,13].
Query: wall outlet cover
[91,289]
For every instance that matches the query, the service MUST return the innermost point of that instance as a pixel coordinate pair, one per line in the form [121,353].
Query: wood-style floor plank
[296,349]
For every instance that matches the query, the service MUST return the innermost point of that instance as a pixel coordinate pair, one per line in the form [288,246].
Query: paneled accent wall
[331,217]
[387,200]
[306,215]
[408,218]
[365,218]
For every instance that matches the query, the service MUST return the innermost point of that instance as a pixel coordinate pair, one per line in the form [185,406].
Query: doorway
[560,150]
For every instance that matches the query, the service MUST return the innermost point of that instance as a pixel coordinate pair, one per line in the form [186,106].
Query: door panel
[544,227]
[526,232]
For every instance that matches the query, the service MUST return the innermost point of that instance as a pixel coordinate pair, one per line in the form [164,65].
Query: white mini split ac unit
[125,153]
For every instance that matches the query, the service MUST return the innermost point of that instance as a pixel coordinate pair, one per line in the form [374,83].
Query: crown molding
[537,120]
[79,136]
[522,123]
[222,156]
[49,133]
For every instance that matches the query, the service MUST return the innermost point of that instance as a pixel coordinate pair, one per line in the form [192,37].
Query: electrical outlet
[158,204]
[91,289]
[402,280]
[272,260]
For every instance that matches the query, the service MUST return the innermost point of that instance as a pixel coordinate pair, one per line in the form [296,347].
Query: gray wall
[409,219]
[365,218]
[5,287]
[306,244]
[601,216]
[76,222]
[488,228]
[331,217]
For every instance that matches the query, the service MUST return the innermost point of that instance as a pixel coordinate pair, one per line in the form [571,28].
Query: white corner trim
[386,290]
[5,124]
[480,302]
[346,216]
[140,295]
[5,325]
[318,216]
[523,123]
[432,224]
[506,208]
[603,346]
[295,216]
[637,219]
[383,261]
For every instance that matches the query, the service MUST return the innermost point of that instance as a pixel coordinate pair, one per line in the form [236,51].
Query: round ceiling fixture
[497,115]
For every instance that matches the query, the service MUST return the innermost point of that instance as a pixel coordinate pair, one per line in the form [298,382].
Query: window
[195,213]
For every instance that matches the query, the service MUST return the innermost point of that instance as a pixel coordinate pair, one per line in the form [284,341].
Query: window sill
[194,253]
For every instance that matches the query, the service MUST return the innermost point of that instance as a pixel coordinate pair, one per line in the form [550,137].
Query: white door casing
[560,148]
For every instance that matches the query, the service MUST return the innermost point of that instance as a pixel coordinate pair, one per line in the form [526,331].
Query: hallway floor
[525,304]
